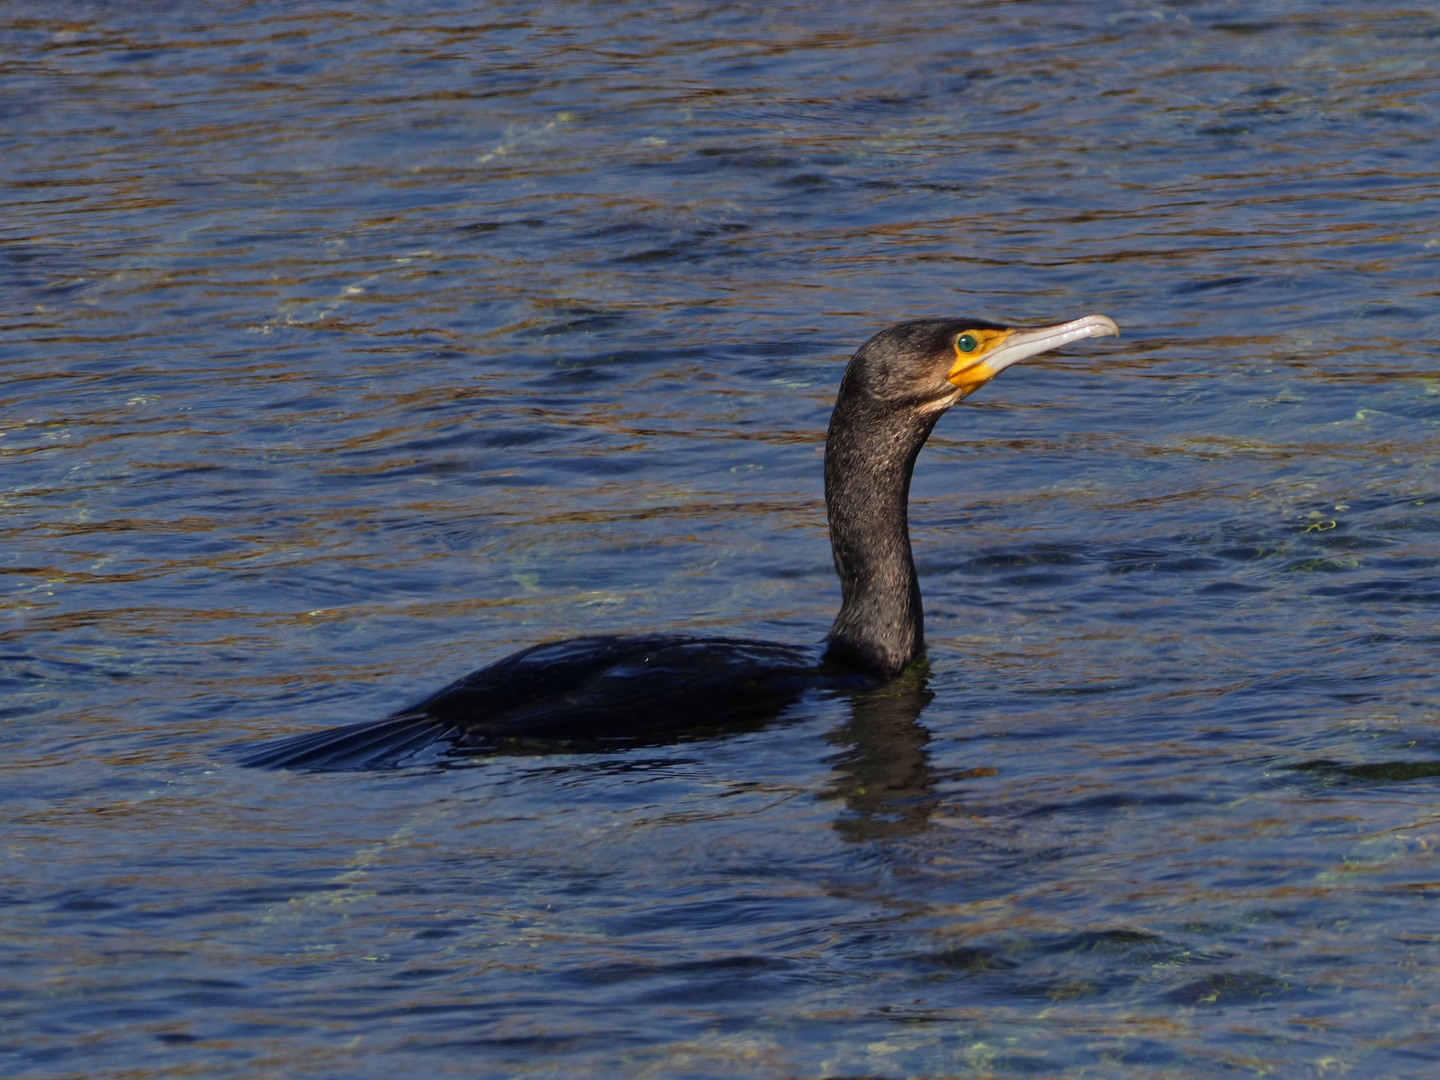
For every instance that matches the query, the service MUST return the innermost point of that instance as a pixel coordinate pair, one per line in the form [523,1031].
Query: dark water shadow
[883,774]
[1377,772]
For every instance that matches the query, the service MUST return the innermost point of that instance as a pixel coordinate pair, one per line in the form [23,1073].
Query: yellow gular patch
[969,371]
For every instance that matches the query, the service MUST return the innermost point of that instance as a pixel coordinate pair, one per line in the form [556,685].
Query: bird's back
[588,692]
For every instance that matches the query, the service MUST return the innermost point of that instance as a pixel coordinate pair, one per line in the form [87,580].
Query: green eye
[967,343]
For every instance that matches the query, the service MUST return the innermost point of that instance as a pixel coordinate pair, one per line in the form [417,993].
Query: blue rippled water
[347,348]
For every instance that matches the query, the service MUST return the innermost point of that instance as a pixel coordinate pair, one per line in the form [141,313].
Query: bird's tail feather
[375,744]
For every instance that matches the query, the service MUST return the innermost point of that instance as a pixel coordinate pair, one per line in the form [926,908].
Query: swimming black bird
[598,691]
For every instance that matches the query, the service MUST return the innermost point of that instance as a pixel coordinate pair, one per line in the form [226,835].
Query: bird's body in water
[597,691]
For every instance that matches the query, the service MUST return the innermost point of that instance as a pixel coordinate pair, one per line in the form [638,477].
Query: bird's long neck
[869,456]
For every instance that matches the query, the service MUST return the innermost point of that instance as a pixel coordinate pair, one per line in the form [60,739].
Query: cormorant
[613,690]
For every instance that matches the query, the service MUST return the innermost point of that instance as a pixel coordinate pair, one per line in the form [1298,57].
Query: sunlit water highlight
[346,349]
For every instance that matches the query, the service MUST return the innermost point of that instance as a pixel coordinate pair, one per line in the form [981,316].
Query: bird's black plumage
[589,692]
[608,691]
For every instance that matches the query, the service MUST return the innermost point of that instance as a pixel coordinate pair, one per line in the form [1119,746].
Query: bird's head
[930,364]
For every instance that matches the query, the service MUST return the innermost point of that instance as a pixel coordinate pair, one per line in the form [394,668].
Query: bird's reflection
[883,773]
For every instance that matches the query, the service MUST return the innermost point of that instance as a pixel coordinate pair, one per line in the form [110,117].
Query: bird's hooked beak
[980,355]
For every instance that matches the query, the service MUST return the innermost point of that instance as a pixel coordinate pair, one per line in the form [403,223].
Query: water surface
[346,349]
